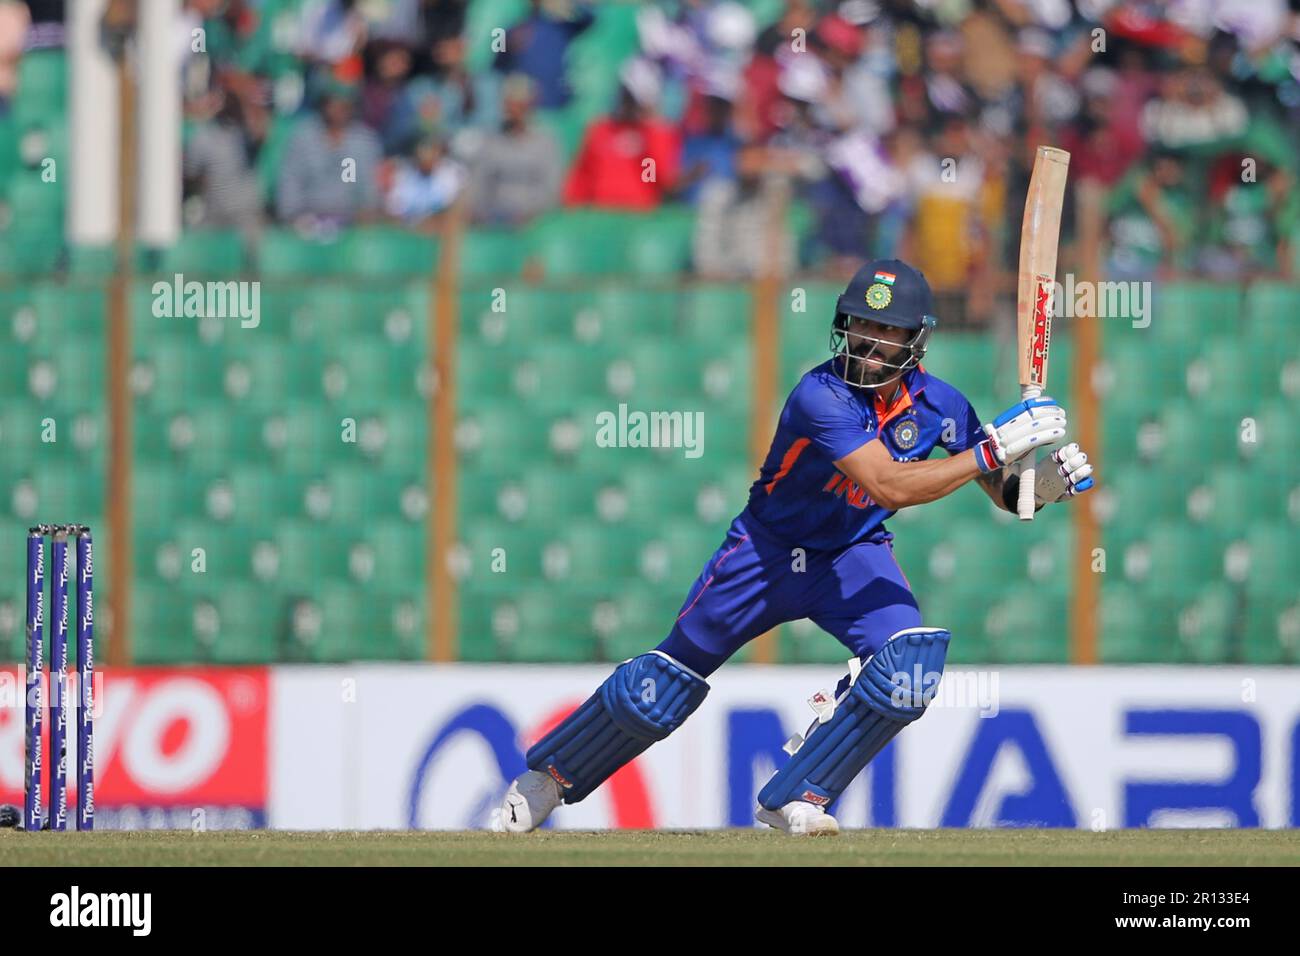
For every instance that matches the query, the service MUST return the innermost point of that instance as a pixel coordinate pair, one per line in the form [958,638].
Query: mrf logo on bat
[1043,306]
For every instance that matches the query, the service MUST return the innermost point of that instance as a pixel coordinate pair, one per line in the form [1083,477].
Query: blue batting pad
[890,692]
[643,701]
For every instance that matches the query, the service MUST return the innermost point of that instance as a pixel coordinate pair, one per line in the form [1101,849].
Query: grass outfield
[646,848]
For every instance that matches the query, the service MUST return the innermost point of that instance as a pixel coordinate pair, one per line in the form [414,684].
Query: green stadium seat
[387,557]
[357,493]
[501,434]
[1276,448]
[662,244]
[1125,362]
[1173,561]
[491,253]
[547,377]
[971,558]
[675,555]
[163,631]
[1133,628]
[30,250]
[1237,496]
[375,251]
[629,312]
[1183,312]
[41,95]
[34,203]
[1206,626]
[1274,560]
[1271,308]
[227,549]
[250,626]
[634,620]
[1128,500]
[337,624]
[803,642]
[1272,631]
[1190,435]
[217,252]
[10,161]
[283,253]
[92,261]
[965,615]
[1015,627]
[263,495]
[531,624]
[310,554]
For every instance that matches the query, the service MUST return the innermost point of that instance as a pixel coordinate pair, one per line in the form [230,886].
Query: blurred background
[474,226]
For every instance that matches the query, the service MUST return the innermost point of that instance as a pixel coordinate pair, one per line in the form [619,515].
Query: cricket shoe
[527,803]
[799,818]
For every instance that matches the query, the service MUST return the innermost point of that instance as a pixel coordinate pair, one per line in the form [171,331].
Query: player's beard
[871,374]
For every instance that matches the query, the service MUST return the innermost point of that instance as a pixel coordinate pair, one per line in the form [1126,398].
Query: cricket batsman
[850,449]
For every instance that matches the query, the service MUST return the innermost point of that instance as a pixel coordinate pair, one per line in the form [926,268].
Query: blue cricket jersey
[803,500]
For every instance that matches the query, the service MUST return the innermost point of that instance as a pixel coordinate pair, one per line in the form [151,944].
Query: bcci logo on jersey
[906,434]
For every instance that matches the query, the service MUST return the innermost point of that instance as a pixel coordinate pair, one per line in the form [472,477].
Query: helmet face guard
[853,350]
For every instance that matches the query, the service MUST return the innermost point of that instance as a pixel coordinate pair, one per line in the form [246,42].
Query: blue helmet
[890,292]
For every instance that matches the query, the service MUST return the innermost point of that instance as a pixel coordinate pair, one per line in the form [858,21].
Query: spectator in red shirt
[628,159]
[1102,145]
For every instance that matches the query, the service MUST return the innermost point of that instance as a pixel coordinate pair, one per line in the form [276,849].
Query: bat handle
[1025,468]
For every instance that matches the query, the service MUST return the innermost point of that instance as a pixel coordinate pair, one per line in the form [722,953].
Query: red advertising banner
[182,740]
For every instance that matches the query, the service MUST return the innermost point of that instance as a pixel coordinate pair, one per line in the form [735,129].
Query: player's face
[877,350]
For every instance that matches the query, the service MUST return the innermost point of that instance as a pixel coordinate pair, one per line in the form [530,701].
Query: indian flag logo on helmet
[886,277]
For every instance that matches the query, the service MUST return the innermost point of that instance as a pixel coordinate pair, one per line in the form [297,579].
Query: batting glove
[1019,430]
[1062,474]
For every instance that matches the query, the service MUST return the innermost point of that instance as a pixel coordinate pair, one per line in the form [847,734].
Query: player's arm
[898,484]
[1010,436]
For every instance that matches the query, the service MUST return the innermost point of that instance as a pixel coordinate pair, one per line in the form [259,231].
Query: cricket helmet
[890,292]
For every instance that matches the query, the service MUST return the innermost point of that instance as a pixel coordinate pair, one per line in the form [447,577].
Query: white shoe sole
[823,825]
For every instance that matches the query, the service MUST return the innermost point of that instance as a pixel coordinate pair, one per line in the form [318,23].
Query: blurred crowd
[880,126]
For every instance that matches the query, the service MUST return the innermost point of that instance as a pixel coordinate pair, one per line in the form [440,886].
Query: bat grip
[1025,468]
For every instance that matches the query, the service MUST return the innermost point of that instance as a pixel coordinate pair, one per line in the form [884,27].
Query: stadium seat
[197,253]
[31,250]
[1193,310]
[92,261]
[571,245]
[662,244]
[1015,630]
[803,642]
[1270,309]
[1133,628]
[1274,552]
[1173,561]
[1272,631]
[492,253]
[42,88]
[283,253]
[163,626]
[1207,627]
[376,251]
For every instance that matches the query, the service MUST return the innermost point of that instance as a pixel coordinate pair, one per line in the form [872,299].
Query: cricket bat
[1040,232]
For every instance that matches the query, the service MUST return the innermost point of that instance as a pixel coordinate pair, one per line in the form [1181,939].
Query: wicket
[33,804]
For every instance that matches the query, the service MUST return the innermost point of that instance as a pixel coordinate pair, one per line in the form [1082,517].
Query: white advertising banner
[427,746]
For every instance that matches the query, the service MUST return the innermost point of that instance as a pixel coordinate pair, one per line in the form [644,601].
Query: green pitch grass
[645,848]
